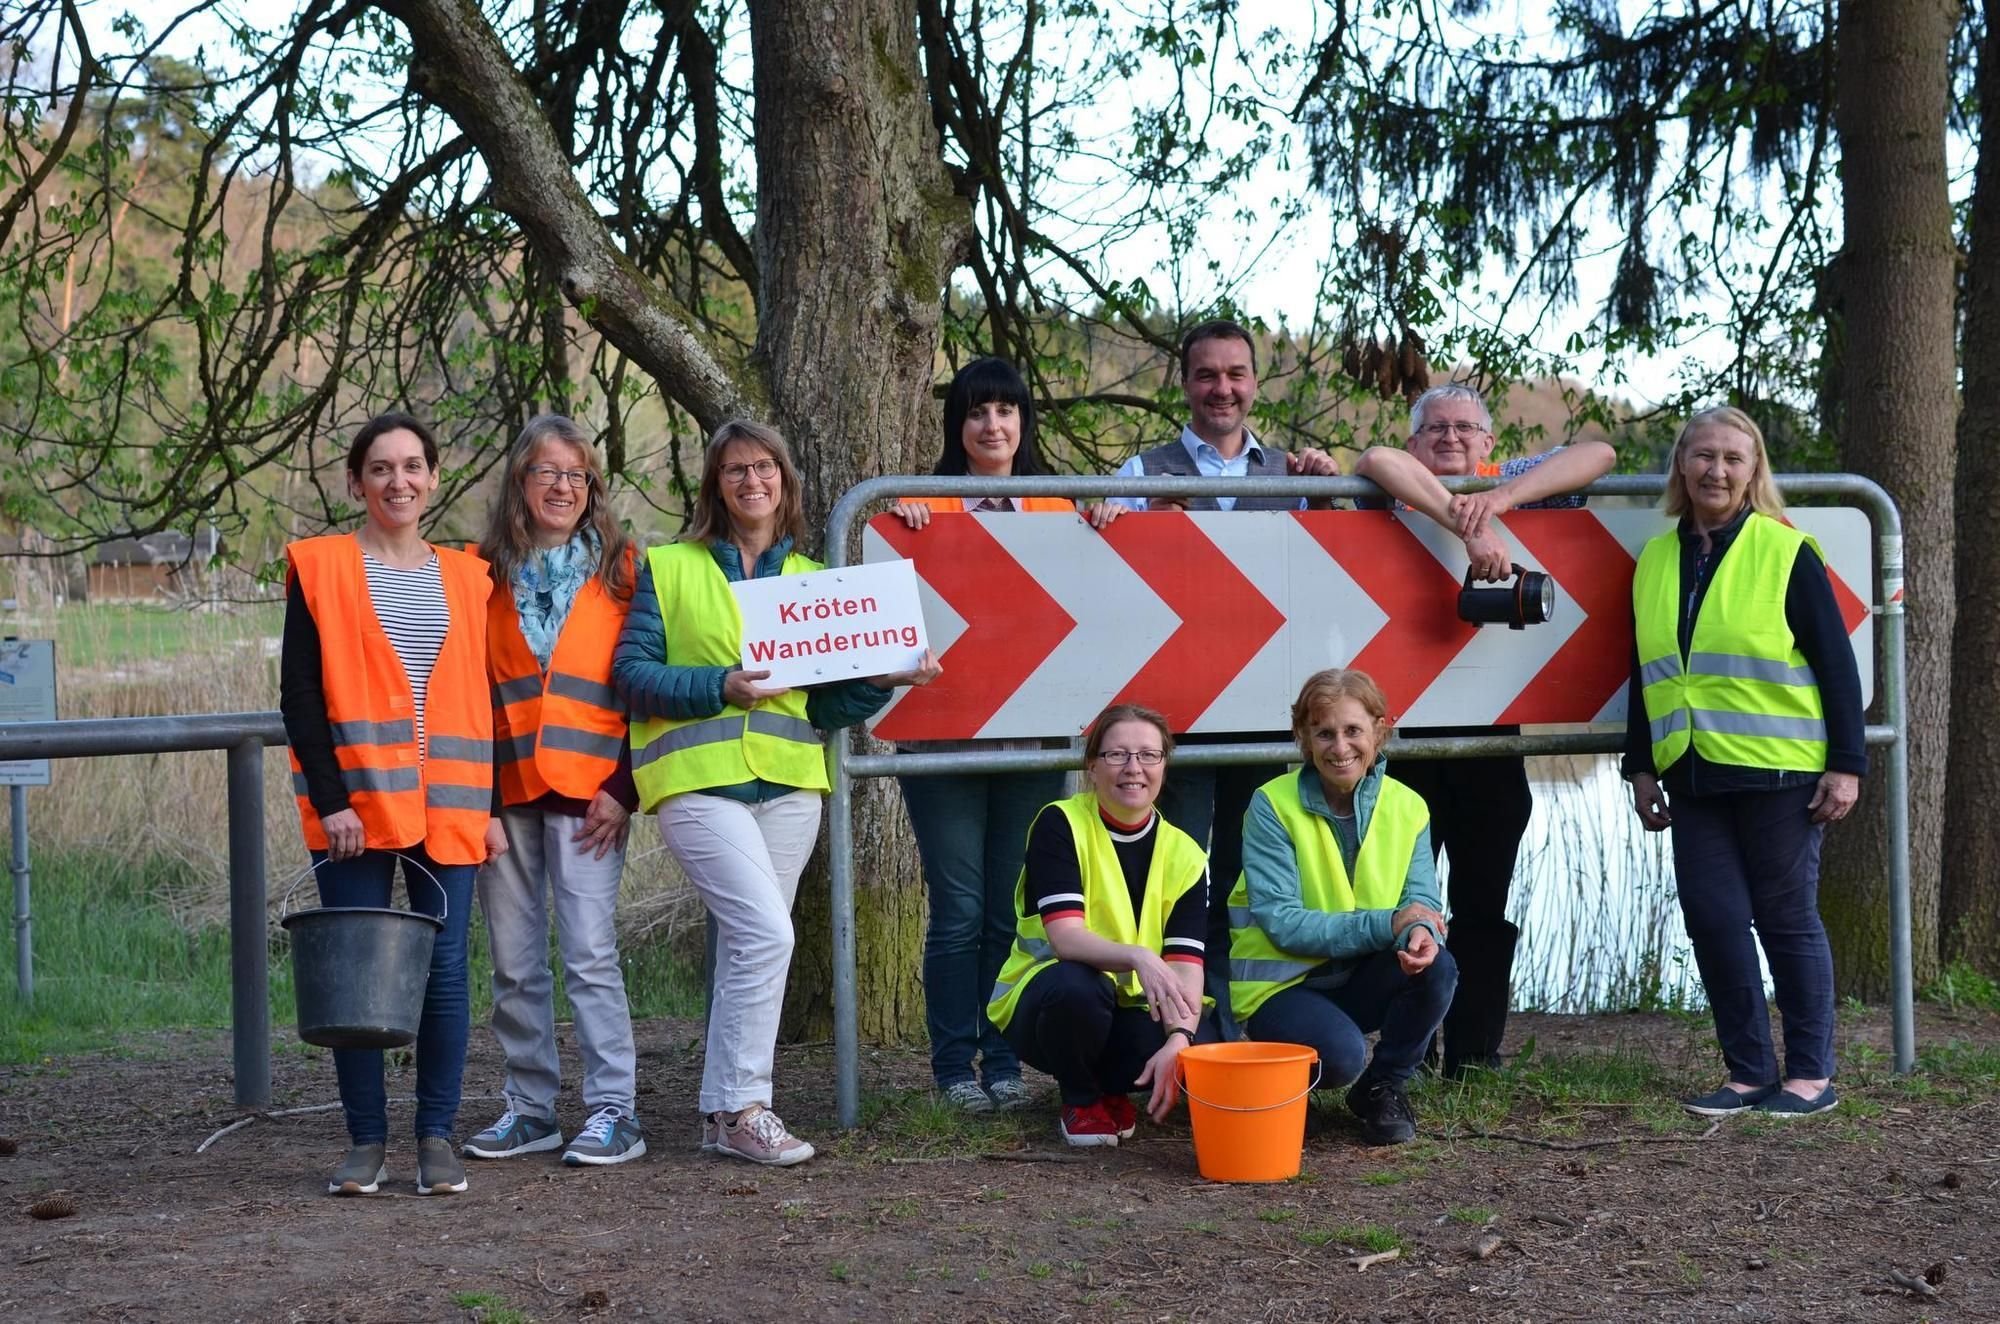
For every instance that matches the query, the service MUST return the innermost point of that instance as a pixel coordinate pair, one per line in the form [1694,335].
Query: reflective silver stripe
[513,691]
[1267,972]
[1756,724]
[1662,727]
[444,795]
[1241,918]
[1037,948]
[582,742]
[1738,667]
[299,783]
[399,732]
[461,749]
[1000,988]
[380,780]
[783,727]
[593,692]
[706,732]
[517,749]
[1659,669]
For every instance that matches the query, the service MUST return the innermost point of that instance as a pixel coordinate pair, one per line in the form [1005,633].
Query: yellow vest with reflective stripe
[1744,694]
[773,741]
[1258,967]
[1178,864]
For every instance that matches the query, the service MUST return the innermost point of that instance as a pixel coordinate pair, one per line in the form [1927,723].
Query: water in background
[1594,898]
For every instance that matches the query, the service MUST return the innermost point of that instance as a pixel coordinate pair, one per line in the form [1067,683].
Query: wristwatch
[1182,1031]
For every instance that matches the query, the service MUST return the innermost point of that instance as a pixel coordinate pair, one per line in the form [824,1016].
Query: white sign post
[861,620]
[27,694]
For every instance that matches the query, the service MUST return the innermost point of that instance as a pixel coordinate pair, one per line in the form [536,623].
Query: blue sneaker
[514,1134]
[608,1137]
[1726,1102]
[1784,1103]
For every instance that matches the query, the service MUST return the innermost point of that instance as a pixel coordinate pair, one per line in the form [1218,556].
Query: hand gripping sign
[1216,618]
[830,625]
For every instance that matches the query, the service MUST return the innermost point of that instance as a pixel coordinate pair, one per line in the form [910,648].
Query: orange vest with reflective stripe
[564,731]
[1031,505]
[444,798]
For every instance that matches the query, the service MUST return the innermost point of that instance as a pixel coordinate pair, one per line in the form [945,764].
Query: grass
[489,1308]
[916,1123]
[1369,1237]
[1960,985]
[127,634]
[113,959]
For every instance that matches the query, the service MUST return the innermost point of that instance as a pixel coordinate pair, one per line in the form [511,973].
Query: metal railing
[244,736]
[846,765]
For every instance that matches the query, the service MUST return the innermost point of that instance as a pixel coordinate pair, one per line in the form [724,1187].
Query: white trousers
[515,891]
[744,860]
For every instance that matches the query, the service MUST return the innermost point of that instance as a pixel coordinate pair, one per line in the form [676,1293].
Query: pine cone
[56,1204]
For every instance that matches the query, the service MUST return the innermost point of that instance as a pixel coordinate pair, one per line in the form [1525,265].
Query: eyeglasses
[1145,758]
[548,476]
[1464,431]
[736,473]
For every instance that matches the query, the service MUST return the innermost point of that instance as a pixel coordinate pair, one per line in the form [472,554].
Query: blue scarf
[546,585]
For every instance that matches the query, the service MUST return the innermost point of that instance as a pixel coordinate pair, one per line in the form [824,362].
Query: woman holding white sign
[735,770]
[970,826]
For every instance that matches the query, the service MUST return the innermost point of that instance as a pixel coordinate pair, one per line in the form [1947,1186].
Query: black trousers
[1069,1024]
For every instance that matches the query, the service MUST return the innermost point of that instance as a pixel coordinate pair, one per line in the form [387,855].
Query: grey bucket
[358,972]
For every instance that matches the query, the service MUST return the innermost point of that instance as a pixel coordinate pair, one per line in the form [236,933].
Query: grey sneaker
[1009,1095]
[438,1170]
[362,1173]
[758,1134]
[515,1133]
[608,1137]
[711,1133]
[965,1096]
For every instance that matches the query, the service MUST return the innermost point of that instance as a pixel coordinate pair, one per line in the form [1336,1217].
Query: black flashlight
[1529,600]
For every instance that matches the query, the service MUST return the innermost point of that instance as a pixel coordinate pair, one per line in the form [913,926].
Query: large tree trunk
[857,229]
[1900,409]
[1970,904]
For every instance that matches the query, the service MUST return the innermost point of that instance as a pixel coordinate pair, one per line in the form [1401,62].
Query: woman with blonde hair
[562,583]
[1335,924]
[1745,716]
[734,768]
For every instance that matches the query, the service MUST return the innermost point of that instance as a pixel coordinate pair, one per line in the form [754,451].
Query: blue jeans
[972,835]
[446,1023]
[1744,861]
[1335,1022]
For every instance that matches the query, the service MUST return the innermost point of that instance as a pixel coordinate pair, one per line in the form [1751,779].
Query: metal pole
[249,973]
[24,942]
[840,883]
[1895,715]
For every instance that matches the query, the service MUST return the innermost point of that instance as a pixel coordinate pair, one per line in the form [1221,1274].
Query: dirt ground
[1589,1210]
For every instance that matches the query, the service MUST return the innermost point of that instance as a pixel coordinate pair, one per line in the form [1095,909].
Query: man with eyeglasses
[1218,362]
[1479,807]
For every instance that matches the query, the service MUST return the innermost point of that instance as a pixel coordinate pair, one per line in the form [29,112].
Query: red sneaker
[1091,1124]
[1123,1115]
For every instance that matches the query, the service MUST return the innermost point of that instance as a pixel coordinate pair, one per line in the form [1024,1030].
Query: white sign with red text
[863,620]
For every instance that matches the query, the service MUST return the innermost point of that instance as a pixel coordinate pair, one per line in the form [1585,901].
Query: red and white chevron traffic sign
[1216,618]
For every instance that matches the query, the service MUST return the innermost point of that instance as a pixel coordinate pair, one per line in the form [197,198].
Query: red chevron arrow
[1394,568]
[1011,625]
[1593,571]
[1225,621]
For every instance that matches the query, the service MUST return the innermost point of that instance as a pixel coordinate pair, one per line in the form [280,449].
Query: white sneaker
[758,1134]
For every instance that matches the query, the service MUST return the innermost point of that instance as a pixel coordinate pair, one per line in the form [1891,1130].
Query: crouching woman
[1334,925]
[1102,989]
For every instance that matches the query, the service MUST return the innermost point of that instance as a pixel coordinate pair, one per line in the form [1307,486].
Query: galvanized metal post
[249,972]
[840,886]
[1895,715]
[24,941]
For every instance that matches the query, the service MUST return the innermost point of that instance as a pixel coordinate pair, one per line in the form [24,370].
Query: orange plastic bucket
[1248,1105]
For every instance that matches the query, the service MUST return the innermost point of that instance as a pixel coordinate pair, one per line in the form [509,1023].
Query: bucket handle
[1311,1085]
[444,897]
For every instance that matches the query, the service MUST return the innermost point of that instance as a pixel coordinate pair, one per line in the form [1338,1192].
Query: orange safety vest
[443,799]
[563,731]
[1028,505]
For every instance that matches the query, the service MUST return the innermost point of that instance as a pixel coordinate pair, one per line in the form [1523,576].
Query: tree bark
[1900,409]
[1969,916]
[857,227]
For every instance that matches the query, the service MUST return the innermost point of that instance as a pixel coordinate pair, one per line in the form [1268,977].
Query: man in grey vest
[1219,379]
[1479,807]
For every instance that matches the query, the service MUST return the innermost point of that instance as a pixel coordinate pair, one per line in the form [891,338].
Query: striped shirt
[411,606]
[1053,882]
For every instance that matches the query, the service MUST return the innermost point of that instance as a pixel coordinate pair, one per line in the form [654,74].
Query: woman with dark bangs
[971,827]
